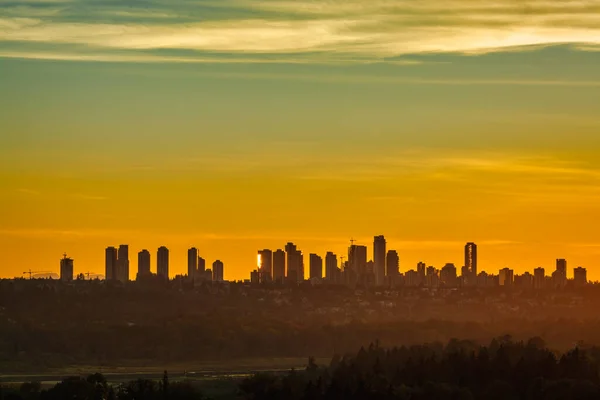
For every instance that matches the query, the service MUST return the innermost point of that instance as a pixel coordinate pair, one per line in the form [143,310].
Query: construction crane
[31,273]
[87,274]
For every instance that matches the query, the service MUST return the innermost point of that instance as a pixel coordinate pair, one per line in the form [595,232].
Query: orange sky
[248,125]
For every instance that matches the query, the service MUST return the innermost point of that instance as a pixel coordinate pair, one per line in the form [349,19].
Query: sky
[238,125]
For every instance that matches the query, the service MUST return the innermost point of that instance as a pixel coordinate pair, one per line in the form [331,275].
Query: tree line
[96,387]
[459,370]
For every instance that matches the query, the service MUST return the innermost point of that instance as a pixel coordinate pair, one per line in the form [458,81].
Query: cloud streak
[328,29]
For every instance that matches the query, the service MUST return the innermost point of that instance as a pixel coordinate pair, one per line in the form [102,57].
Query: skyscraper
[315,266]
[506,277]
[301,274]
[66,269]
[539,278]
[265,265]
[579,276]
[218,271]
[560,275]
[143,264]
[421,272]
[295,263]
[357,259]
[379,247]
[201,265]
[192,268]
[110,271]
[471,263]
[331,267]
[448,275]
[279,266]
[392,263]
[123,263]
[162,262]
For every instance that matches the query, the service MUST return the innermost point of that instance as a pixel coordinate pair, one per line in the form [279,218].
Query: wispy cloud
[359,29]
[83,196]
[30,192]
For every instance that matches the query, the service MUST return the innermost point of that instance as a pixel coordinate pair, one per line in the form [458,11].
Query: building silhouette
[392,264]
[506,277]
[255,277]
[265,265]
[110,271]
[201,265]
[279,266]
[295,263]
[432,277]
[315,266]
[421,272]
[471,263]
[331,267]
[559,276]
[379,253]
[357,262]
[162,262]
[123,263]
[143,264]
[217,269]
[524,281]
[412,278]
[66,269]
[192,262]
[539,278]
[448,276]
[579,276]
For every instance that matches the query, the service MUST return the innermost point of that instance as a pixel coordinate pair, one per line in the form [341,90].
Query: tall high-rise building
[506,277]
[279,266]
[539,278]
[315,266]
[192,262]
[392,262]
[421,272]
[265,265]
[295,263]
[301,274]
[448,275]
[432,277]
[218,271]
[471,263]
[331,267]
[143,264]
[123,263]
[579,276]
[379,249]
[357,259]
[201,265]
[560,275]
[162,262]
[110,271]
[66,269]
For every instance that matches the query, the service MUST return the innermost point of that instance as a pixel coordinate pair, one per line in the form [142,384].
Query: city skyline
[243,125]
[282,266]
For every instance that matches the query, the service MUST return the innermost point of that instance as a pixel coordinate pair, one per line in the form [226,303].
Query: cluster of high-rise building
[117,265]
[383,269]
[197,271]
[288,266]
